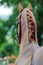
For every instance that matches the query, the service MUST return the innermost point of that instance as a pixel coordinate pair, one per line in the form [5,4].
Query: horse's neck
[31,48]
[24,28]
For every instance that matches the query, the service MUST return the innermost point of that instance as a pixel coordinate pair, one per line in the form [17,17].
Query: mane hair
[31,27]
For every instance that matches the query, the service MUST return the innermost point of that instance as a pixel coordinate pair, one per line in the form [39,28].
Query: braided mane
[31,26]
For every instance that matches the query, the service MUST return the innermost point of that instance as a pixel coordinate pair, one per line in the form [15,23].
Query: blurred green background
[8,25]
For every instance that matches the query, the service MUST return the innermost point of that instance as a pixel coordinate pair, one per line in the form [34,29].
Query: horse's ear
[29,6]
[20,8]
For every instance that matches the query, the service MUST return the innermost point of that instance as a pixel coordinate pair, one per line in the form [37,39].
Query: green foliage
[11,60]
[4,62]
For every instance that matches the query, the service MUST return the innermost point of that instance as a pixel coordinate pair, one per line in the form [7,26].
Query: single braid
[31,28]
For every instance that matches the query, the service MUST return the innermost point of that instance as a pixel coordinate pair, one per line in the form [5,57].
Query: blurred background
[8,14]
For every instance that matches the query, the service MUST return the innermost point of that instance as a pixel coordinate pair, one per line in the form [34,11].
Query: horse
[30,52]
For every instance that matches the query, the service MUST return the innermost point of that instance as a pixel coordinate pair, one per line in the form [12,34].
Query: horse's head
[31,23]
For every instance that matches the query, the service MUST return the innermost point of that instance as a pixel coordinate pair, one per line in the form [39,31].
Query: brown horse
[30,52]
